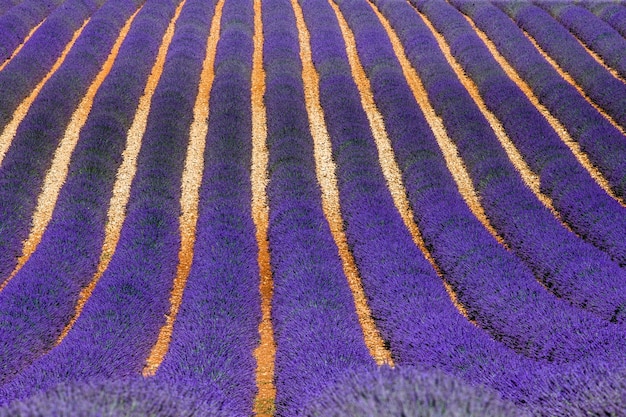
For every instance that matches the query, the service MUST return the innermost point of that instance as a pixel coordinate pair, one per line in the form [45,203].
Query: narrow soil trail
[265,353]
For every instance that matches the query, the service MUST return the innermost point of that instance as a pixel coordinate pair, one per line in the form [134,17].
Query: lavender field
[335,208]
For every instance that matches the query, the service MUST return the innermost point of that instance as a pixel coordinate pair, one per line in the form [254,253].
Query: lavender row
[318,336]
[498,290]
[583,205]
[216,329]
[66,258]
[606,91]
[569,267]
[30,155]
[19,21]
[121,321]
[39,54]
[612,13]
[592,31]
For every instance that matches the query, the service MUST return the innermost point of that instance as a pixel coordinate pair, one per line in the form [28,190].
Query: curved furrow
[21,45]
[53,115]
[265,353]
[593,213]
[318,334]
[496,289]
[569,267]
[190,186]
[216,330]
[54,277]
[612,13]
[604,89]
[19,21]
[8,134]
[57,173]
[325,170]
[38,56]
[120,323]
[600,40]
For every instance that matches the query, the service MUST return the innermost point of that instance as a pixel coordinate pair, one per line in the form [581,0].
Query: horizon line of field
[68,161]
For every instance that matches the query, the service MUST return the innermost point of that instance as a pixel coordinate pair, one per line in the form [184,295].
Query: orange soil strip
[325,170]
[19,48]
[531,179]
[7,135]
[124,177]
[390,168]
[57,173]
[574,147]
[191,180]
[265,353]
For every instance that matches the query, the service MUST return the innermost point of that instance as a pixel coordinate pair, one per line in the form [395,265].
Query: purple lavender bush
[410,392]
[6,5]
[129,397]
[612,13]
